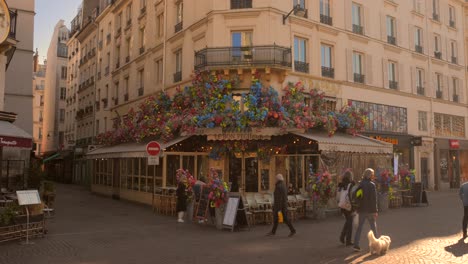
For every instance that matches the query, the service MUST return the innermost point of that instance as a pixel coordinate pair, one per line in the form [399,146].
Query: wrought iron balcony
[439,94]
[358,29]
[13,15]
[243,56]
[455,98]
[420,90]
[359,78]
[393,84]
[141,90]
[418,48]
[324,19]
[301,12]
[435,16]
[238,4]
[438,55]
[328,72]
[391,40]
[301,66]
[178,76]
[452,23]
[178,27]
[454,60]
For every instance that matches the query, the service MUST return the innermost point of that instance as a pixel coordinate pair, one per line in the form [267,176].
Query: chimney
[36,61]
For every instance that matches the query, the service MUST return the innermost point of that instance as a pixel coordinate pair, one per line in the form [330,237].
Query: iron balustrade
[328,72]
[420,90]
[439,94]
[435,16]
[13,16]
[391,40]
[452,23]
[142,89]
[238,4]
[438,55]
[455,98]
[393,84]
[324,19]
[270,55]
[358,29]
[418,48]
[301,12]
[301,66]
[142,50]
[178,76]
[359,78]
[178,27]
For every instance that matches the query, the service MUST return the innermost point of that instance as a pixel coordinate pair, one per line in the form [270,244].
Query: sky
[48,13]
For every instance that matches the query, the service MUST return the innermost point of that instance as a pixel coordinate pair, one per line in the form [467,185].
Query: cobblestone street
[93,229]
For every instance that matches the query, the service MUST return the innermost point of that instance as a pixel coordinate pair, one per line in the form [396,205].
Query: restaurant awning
[341,142]
[127,150]
[13,136]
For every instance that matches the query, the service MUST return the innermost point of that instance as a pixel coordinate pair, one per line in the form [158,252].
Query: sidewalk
[91,229]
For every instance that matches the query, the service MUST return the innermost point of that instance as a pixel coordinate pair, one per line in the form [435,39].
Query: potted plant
[384,180]
[218,195]
[189,183]
[321,188]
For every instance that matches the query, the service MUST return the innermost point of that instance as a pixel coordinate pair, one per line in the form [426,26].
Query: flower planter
[219,215]
[396,202]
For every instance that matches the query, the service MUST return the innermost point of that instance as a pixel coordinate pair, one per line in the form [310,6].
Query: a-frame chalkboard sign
[235,215]
[203,204]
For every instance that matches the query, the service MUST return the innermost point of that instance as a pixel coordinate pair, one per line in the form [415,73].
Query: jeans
[284,211]
[465,220]
[362,219]
[347,230]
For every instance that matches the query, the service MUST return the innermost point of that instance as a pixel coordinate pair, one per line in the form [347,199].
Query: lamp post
[300,11]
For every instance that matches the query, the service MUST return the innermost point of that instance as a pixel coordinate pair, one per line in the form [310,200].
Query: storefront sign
[454,144]
[390,140]
[15,142]
[416,141]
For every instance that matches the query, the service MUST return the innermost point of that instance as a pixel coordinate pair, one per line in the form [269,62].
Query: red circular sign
[153,148]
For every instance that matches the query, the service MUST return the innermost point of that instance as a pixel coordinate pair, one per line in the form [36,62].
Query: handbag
[280,217]
[344,201]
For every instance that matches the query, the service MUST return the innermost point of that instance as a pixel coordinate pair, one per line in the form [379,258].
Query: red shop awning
[13,136]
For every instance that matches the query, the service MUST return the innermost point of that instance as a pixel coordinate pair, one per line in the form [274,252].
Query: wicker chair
[258,213]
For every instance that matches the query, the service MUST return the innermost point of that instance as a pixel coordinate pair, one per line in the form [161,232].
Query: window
[129,13]
[63,74]
[237,4]
[435,10]
[301,3]
[97,127]
[455,89]
[116,94]
[391,36]
[62,115]
[126,88]
[449,125]
[357,63]
[160,25]
[439,82]
[451,16]
[142,39]
[392,81]
[417,6]
[383,118]
[142,3]
[326,59]
[300,53]
[453,51]
[141,78]
[159,71]
[105,124]
[418,40]
[325,7]
[422,121]
[118,23]
[63,93]
[436,44]
[179,12]
[241,39]
[357,19]
[420,81]
[178,68]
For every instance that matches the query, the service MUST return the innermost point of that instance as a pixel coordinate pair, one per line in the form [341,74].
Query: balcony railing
[439,94]
[455,98]
[358,29]
[178,27]
[393,84]
[418,48]
[391,40]
[328,72]
[141,90]
[301,12]
[452,23]
[454,60]
[127,59]
[238,4]
[142,50]
[126,97]
[420,90]
[301,66]
[435,16]
[243,56]
[438,55]
[178,76]
[324,19]
[143,10]
[13,15]
[359,78]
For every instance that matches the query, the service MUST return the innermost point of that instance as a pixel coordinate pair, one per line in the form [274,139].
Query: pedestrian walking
[464,198]
[344,202]
[366,193]
[181,203]
[280,204]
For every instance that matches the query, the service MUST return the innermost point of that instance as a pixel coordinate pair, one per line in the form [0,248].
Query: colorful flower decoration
[218,189]
[321,187]
[188,180]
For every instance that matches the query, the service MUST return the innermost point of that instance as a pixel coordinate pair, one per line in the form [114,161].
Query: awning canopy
[128,150]
[341,142]
[13,136]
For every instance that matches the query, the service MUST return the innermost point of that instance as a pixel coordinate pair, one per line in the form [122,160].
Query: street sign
[153,160]
[153,148]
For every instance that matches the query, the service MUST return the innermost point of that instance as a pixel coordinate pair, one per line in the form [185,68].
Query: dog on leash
[378,246]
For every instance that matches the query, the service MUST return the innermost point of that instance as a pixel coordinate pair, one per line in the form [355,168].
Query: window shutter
[434,86]
[348,15]
[383,27]
[401,78]
[368,72]
[349,64]
[399,32]
[367,21]
[385,73]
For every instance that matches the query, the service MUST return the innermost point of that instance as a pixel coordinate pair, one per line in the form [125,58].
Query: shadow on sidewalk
[458,249]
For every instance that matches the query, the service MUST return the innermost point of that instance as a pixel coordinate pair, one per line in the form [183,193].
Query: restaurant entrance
[243,170]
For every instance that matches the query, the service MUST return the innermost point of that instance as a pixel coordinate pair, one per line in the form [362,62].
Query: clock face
[4,21]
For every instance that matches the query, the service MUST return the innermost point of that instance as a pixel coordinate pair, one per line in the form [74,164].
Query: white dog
[378,246]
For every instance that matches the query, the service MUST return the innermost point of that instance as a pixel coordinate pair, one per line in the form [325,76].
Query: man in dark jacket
[280,204]
[367,207]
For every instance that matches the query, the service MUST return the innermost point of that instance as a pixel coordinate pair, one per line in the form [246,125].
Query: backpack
[343,201]
[356,196]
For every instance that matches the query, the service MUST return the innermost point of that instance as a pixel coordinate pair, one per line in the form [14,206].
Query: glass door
[244,172]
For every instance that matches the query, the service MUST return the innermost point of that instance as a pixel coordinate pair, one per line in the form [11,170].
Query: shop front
[451,164]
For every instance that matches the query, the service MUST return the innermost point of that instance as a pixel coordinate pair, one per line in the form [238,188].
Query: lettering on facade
[4,142]
[393,141]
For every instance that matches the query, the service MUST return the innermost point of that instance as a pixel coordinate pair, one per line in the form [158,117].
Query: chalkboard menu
[203,204]
[234,213]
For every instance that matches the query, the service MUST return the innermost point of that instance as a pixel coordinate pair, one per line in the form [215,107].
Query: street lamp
[300,12]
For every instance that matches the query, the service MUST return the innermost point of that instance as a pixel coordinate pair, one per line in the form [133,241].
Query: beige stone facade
[403,61]
[38,106]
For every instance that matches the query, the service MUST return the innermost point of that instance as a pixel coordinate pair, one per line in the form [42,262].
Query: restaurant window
[449,125]
[173,164]
[160,26]
[383,118]
[103,172]
[422,121]
[63,74]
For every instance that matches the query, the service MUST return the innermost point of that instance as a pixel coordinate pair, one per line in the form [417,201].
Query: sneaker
[292,233]
[356,248]
[180,220]
[270,234]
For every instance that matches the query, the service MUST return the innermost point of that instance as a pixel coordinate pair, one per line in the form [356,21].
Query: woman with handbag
[344,202]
